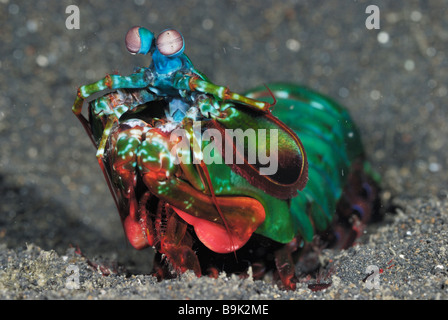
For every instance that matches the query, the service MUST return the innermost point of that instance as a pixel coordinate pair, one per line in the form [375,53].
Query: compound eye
[170,42]
[139,40]
[133,41]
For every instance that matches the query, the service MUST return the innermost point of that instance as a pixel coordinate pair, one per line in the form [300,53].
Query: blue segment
[178,109]
[147,40]
[164,64]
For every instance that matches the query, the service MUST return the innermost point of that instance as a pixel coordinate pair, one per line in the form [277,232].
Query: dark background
[52,192]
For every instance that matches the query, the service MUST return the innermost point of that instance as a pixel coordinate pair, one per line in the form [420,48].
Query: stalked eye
[170,42]
[139,40]
[133,41]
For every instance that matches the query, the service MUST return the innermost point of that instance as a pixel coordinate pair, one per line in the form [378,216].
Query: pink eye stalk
[170,42]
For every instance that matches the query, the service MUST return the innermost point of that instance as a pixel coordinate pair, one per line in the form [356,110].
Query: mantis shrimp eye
[139,40]
[170,42]
[133,41]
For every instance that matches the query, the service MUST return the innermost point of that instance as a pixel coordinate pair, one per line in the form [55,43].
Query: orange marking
[108,81]
[79,93]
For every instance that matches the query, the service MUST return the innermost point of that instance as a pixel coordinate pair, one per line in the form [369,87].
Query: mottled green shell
[332,142]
